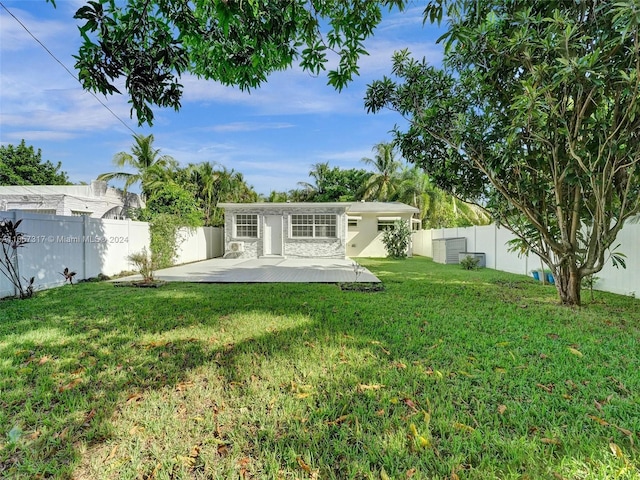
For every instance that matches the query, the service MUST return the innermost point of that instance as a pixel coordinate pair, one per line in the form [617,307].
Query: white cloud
[350,156]
[38,135]
[15,37]
[286,93]
[249,127]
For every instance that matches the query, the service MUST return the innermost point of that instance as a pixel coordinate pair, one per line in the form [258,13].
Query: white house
[312,230]
[95,200]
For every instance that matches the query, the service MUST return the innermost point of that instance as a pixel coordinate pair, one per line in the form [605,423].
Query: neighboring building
[95,200]
[312,230]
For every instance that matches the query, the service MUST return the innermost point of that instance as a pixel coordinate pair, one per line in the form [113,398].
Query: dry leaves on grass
[599,420]
[243,465]
[182,386]
[303,465]
[339,420]
[463,427]
[575,351]
[550,441]
[134,398]
[364,387]
[72,384]
[112,454]
[376,342]
[547,388]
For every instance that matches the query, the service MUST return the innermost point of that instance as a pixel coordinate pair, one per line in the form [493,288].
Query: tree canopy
[151,43]
[152,170]
[536,115]
[22,165]
[333,184]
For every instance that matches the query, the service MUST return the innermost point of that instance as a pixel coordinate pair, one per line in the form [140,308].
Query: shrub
[145,264]
[396,239]
[469,262]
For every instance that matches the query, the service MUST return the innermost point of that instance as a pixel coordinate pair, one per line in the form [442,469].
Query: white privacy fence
[492,240]
[92,246]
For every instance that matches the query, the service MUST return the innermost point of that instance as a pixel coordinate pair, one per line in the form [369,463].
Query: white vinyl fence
[491,240]
[92,246]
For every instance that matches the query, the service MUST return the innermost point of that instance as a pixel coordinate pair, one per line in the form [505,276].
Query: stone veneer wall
[292,247]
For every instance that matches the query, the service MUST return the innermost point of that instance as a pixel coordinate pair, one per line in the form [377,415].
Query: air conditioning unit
[236,246]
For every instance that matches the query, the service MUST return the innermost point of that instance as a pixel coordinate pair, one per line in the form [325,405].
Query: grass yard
[445,374]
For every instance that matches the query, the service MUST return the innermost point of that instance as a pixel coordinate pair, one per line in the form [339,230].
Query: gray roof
[381,207]
[350,207]
[279,205]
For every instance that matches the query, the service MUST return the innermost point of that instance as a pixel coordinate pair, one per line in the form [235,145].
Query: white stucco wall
[365,240]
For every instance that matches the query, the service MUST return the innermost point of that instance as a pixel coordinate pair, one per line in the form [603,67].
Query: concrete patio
[263,270]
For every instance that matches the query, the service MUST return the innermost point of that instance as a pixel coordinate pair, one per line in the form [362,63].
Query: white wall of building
[95,200]
[492,240]
[91,246]
[364,240]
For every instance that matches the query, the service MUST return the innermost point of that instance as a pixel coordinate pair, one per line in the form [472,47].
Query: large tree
[333,184]
[22,165]
[536,115]
[151,43]
[211,185]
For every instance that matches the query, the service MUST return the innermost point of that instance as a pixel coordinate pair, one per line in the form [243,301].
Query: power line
[66,69]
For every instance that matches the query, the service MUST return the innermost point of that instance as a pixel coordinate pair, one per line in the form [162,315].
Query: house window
[313,226]
[247,225]
[80,213]
[386,223]
[352,222]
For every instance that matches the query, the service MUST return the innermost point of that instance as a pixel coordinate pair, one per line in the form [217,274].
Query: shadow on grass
[311,376]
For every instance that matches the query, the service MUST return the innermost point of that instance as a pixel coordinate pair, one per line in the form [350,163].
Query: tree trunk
[568,284]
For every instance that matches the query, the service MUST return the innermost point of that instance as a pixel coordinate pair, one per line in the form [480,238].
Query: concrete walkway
[263,270]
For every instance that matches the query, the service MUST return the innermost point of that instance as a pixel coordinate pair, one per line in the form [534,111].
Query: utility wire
[67,70]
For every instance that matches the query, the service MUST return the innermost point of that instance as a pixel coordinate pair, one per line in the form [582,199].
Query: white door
[272,241]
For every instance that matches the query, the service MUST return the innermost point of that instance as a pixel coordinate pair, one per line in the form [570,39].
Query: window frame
[81,213]
[318,222]
[237,225]
[384,225]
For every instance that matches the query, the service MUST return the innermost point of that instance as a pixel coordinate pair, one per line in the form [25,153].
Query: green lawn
[445,374]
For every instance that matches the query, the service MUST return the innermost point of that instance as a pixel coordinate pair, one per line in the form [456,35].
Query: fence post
[16,257]
[85,245]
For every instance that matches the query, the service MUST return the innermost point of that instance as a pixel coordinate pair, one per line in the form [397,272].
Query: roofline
[344,205]
[351,207]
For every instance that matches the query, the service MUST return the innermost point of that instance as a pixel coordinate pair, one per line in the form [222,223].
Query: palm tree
[151,168]
[415,189]
[383,184]
[229,186]
[203,180]
[318,173]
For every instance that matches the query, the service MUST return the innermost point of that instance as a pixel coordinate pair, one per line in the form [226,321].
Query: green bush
[396,239]
[144,262]
[469,262]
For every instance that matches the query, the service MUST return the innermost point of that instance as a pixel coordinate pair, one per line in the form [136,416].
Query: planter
[141,284]
[536,275]
[362,287]
[550,278]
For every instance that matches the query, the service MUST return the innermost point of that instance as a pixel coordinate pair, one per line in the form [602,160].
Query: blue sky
[273,135]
